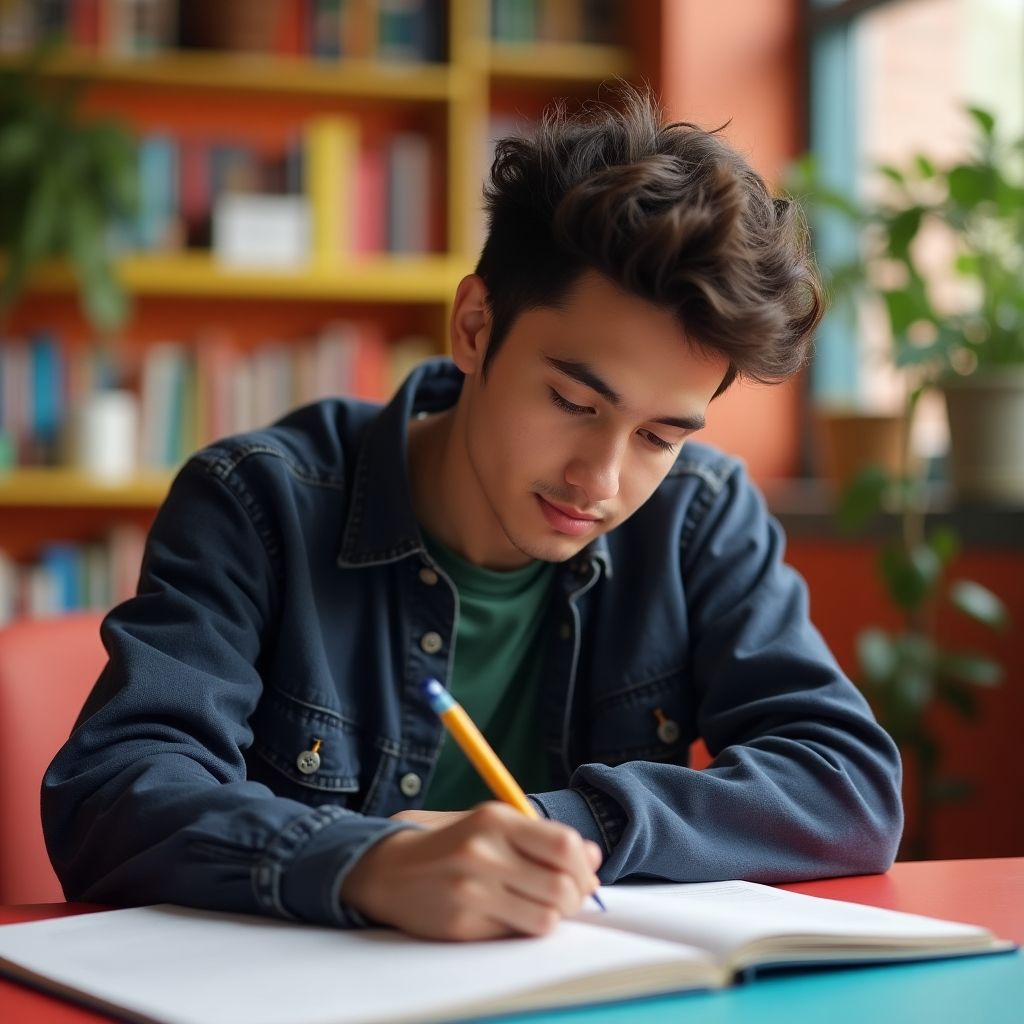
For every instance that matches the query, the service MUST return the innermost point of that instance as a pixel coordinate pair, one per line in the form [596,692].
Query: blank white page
[723,916]
[183,966]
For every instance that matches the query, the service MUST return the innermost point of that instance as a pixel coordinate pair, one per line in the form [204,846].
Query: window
[889,79]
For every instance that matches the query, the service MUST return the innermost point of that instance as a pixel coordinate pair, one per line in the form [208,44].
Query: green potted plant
[906,671]
[972,348]
[64,182]
[957,326]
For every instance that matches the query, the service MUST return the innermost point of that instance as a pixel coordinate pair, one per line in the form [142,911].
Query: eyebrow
[584,374]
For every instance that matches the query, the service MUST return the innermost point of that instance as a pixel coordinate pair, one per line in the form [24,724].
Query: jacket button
[668,731]
[431,642]
[308,762]
[428,576]
[410,784]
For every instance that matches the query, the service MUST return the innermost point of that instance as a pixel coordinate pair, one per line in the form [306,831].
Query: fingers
[491,873]
[553,845]
[545,869]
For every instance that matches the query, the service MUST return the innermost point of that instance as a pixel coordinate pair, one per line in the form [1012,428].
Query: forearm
[163,830]
[793,805]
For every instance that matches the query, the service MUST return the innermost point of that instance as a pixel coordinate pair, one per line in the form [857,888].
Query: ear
[470,324]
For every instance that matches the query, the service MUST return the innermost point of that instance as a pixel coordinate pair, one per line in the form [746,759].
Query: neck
[446,494]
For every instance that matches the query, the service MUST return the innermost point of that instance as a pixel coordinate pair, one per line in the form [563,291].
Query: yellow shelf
[69,488]
[557,62]
[390,279]
[259,73]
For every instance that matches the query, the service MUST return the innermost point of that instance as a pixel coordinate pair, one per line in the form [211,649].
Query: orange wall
[740,62]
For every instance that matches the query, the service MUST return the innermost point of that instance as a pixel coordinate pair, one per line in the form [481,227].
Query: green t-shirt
[496,676]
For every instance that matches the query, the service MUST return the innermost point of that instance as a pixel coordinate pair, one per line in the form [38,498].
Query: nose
[596,469]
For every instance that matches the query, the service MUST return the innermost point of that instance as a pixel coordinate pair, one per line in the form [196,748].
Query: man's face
[581,416]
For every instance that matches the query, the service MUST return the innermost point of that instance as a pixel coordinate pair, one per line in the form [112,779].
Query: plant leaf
[861,499]
[969,184]
[924,166]
[979,603]
[944,542]
[892,173]
[877,654]
[968,667]
[959,698]
[985,121]
[909,576]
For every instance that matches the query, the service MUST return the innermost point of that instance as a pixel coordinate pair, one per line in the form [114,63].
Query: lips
[566,520]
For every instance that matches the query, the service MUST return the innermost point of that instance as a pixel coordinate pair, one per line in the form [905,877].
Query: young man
[531,526]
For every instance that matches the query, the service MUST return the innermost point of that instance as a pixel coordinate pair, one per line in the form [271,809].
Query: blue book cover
[63,564]
[46,375]
[158,191]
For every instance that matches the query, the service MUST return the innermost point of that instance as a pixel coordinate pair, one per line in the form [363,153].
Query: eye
[658,442]
[567,406]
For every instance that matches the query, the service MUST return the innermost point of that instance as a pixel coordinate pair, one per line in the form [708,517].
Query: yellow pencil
[481,754]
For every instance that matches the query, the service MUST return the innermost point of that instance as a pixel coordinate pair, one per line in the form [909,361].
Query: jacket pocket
[306,752]
[644,721]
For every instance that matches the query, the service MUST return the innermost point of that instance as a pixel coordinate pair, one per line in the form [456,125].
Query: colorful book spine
[371,230]
[325,35]
[48,396]
[330,161]
[409,192]
[157,217]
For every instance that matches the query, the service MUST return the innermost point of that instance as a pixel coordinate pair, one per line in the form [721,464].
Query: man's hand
[491,873]
[431,819]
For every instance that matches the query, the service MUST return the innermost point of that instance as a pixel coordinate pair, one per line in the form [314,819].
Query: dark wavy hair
[667,211]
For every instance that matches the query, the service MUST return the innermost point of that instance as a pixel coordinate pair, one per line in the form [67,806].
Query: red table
[985,892]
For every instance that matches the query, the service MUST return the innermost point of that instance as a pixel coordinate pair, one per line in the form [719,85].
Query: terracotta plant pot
[852,441]
[986,433]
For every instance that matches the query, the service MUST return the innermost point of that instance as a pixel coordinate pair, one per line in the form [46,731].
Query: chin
[550,548]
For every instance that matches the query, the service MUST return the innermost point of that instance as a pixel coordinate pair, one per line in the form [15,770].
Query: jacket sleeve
[803,784]
[148,801]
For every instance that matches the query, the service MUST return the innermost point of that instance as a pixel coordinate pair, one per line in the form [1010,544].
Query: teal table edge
[964,989]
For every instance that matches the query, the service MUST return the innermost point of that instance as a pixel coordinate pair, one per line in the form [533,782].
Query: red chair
[47,668]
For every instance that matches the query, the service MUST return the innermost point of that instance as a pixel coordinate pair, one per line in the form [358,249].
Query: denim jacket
[286,597]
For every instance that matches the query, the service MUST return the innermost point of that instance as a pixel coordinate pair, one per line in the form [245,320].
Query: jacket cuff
[592,813]
[303,868]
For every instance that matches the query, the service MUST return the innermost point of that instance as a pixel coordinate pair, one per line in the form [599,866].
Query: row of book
[328,193]
[385,30]
[184,395]
[560,21]
[72,576]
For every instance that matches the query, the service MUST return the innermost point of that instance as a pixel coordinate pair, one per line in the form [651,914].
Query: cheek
[641,480]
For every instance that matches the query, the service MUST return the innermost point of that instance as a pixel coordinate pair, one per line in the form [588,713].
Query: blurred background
[213,212]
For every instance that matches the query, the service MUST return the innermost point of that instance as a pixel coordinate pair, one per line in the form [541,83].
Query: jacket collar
[381,525]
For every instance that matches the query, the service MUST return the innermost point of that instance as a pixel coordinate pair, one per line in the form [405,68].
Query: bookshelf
[450,102]
[32,487]
[395,279]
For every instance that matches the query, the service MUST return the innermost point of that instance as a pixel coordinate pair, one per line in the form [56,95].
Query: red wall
[846,596]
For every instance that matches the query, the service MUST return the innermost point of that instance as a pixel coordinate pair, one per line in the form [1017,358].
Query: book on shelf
[330,162]
[67,576]
[321,197]
[408,193]
[166,963]
[326,30]
[559,21]
[191,393]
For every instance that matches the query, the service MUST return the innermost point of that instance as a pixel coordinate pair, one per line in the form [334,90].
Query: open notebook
[180,966]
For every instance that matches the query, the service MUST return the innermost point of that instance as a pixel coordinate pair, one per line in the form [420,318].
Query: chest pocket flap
[314,748]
